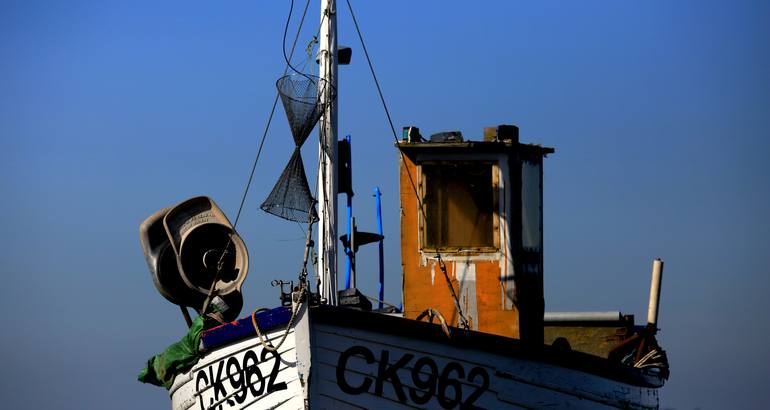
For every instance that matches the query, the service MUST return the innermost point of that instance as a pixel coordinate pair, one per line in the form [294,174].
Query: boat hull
[337,358]
[387,362]
[243,374]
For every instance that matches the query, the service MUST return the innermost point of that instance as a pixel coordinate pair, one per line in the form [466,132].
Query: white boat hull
[227,378]
[367,370]
[367,360]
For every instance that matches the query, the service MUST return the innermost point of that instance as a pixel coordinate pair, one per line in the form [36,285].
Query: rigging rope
[283,43]
[266,344]
[272,110]
[463,321]
[220,263]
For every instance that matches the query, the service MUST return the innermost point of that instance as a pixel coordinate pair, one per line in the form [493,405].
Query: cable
[220,263]
[272,110]
[373,299]
[371,68]
[285,30]
[442,266]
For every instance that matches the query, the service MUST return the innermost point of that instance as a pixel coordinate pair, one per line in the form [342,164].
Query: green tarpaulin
[177,358]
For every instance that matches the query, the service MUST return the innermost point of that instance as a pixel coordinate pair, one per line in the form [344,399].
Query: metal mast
[327,167]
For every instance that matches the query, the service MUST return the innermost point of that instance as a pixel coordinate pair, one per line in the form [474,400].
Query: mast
[327,168]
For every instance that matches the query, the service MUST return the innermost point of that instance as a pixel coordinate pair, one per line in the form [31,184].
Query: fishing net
[301,97]
[291,198]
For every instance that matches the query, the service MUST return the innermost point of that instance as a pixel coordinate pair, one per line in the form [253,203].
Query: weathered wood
[353,359]
[357,366]
[242,375]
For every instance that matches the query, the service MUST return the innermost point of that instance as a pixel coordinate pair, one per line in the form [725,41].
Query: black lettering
[342,363]
[476,371]
[385,372]
[428,385]
[216,382]
[427,381]
[212,400]
[444,382]
[238,384]
[253,369]
[271,385]
[201,376]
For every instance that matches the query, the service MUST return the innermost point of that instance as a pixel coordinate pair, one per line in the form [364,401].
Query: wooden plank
[242,375]
[373,370]
[488,343]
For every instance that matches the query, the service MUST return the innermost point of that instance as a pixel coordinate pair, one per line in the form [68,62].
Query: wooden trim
[496,215]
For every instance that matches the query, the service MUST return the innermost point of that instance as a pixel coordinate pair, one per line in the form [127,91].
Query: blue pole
[347,253]
[381,295]
[350,216]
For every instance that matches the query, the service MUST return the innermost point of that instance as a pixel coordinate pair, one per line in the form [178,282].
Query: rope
[270,118]
[431,313]
[283,44]
[371,68]
[373,299]
[220,263]
[652,354]
[442,266]
[295,309]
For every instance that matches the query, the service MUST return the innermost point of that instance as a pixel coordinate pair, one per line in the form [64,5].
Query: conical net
[290,198]
[301,97]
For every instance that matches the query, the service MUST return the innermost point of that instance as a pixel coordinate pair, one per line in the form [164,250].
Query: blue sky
[659,113]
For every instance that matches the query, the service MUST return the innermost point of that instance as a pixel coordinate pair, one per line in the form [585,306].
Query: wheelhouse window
[460,199]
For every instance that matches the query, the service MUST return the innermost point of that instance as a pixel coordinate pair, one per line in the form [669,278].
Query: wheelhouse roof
[474,147]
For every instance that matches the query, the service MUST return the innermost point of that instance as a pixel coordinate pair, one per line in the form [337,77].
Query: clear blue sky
[110,110]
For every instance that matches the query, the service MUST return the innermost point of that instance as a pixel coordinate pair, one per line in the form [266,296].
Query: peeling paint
[466,275]
[433,274]
[507,270]
[483,278]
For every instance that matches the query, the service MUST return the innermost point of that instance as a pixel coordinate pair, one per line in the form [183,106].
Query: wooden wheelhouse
[474,207]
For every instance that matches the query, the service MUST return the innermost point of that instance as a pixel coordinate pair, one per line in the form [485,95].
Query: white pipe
[327,168]
[582,316]
[657,277]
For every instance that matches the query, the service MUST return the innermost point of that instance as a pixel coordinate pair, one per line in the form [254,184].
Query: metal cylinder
[657,277]
[582,317]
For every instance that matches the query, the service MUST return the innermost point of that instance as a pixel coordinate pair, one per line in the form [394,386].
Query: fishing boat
[471,332]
